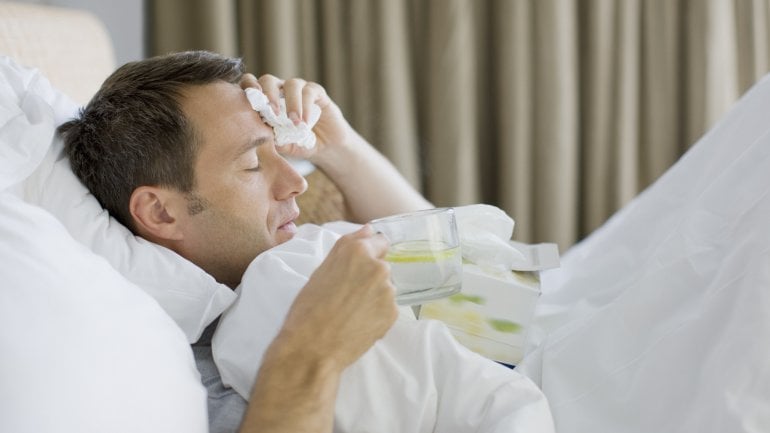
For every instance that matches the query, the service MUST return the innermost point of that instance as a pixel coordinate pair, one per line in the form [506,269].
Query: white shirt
[416,379]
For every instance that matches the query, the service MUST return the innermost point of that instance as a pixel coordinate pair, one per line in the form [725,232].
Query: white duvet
[417,379]
[660,320]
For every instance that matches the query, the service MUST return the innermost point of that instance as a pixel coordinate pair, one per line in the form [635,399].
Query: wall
[124,20]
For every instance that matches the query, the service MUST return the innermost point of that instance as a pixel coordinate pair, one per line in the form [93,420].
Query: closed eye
[251,146]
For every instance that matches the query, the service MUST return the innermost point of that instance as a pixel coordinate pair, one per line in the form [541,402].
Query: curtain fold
[558,111]
[556,121]
[449,140]
[178,25]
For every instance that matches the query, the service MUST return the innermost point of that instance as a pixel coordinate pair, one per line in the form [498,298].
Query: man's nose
[288,182]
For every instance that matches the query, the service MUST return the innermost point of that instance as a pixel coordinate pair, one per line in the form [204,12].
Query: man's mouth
[289,224]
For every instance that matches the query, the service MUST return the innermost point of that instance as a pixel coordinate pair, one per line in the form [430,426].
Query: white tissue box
[492,313]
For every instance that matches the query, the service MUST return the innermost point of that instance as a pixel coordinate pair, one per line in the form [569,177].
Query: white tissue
[286,132]
[485,232]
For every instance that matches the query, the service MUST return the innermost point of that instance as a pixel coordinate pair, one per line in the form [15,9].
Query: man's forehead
[205,100]
[225,124]
[222,108]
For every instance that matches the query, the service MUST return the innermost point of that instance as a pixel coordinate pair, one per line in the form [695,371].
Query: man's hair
[133,132]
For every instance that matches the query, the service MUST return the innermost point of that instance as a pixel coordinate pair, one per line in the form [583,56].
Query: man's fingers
[298,94]
[249,80]
[377,242]
[272,86]
[379,245]
[292,91]
[313,93]
[364,232]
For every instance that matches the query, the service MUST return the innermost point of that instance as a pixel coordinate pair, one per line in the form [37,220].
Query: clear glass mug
[424,254]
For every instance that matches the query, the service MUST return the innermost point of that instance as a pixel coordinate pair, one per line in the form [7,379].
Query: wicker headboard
[71,47]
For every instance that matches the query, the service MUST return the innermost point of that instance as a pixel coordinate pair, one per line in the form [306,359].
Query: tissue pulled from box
[485,239]
[286,132]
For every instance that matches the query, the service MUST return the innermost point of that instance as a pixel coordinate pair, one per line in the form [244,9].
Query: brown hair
[133,132]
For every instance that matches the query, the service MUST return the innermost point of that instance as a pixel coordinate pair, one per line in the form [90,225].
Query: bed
[658,322]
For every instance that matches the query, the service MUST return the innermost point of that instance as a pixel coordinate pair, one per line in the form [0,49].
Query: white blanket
[416,379]
[660,321]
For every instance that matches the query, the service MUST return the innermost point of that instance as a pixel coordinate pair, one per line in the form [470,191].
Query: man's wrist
[295,350]
[340,155]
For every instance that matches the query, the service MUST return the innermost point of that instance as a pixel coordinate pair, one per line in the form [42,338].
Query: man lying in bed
[173,149]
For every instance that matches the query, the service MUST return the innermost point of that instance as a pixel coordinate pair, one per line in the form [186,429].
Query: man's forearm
[372,186]
[292,394]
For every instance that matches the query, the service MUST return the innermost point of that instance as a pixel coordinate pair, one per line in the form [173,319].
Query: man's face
[246,190]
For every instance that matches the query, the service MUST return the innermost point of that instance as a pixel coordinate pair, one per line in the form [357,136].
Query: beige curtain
[558,111]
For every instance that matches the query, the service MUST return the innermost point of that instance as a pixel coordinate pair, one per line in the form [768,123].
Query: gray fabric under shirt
[226,408]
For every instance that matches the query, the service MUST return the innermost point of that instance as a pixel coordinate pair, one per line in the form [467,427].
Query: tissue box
[492,313]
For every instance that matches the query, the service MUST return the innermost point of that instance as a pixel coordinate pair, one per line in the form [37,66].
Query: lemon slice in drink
[420,252]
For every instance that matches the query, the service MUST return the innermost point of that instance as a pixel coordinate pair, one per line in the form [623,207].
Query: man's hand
[371,185]
[345,307]
[348,303]
[332,128]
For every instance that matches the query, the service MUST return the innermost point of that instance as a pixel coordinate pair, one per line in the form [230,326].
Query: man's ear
[154,211]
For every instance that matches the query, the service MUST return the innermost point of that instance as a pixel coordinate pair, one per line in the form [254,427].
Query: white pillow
[25,127]
[188,294]
[83,349]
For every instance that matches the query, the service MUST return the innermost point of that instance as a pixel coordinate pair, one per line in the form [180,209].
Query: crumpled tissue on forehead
[286,132]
